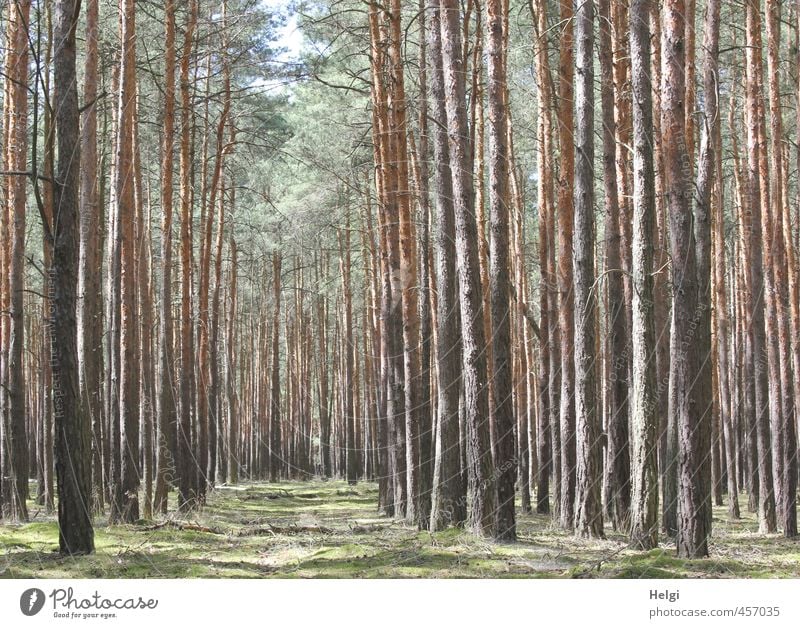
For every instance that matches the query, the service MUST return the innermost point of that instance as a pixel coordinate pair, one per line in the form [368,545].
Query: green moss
[363,544]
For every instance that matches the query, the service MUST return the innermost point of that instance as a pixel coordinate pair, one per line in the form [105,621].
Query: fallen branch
[368,528]
[292,529]
[183,526]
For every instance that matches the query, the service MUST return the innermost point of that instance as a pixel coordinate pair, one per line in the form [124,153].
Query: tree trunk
[505,459]
[90,309]
[231,371]
[16,487]
[72,426]
[408,263]
[481,492]
[589,475]
[425,454]
[166,450]
[756,205]
[564,235]
[126,505]
[644,418]
[186,480]
[785,444]
[693,424]
[549,442]
[275,423]
[449,504]
[618,489]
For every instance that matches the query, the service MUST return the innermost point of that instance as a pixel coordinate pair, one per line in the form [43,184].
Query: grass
[330,530]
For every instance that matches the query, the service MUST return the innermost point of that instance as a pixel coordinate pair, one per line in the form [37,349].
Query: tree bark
[90,308]
[589,475]
[186,479]
[693,424]
[644,418]
[756,205]
[72,426]
[481,492]
[125,507]
[449,504]
[618,488]
[407,264]
[505,459]
[16,487]
[166,451]
[564,237]
[785,443]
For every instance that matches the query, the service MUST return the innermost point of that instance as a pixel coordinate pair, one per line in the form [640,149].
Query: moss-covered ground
[329,529]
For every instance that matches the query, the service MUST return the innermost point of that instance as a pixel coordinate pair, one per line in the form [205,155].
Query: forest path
[331,529]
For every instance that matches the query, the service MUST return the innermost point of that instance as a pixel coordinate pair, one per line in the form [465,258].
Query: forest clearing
[399,289]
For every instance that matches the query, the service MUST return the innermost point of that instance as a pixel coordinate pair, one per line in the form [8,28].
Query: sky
[290,36]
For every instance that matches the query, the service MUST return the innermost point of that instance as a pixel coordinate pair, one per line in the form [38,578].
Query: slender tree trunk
[693,424]
[323,394]
[426,462]
[549,454]
[505,459]
[127,502]
[186,483]
[703,389]
[618,455]
[349,385]
[72,425]
[16,489]
[785,444]
[449,504]
[589,475]
[644,418]
[482,500]
[166,450]
[564,236]
[90,312]
[275,420]
[755,209]
[408,263]
[231,371]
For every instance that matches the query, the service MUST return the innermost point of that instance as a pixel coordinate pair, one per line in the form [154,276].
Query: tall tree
[90,308]
[231,362]
[72,426]
[784,426]
[186,480]
[505,459]
[424,276]
[617,491]
[549,431]
[644,419]
[16,489]
[408,264]
[757,204]
[167,410]
[588,507]
[276,461]
[564,243]
[449,505]
[693,424]
[126,505]
[481,492]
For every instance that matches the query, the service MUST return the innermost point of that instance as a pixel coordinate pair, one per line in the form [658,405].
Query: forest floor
[329,529]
